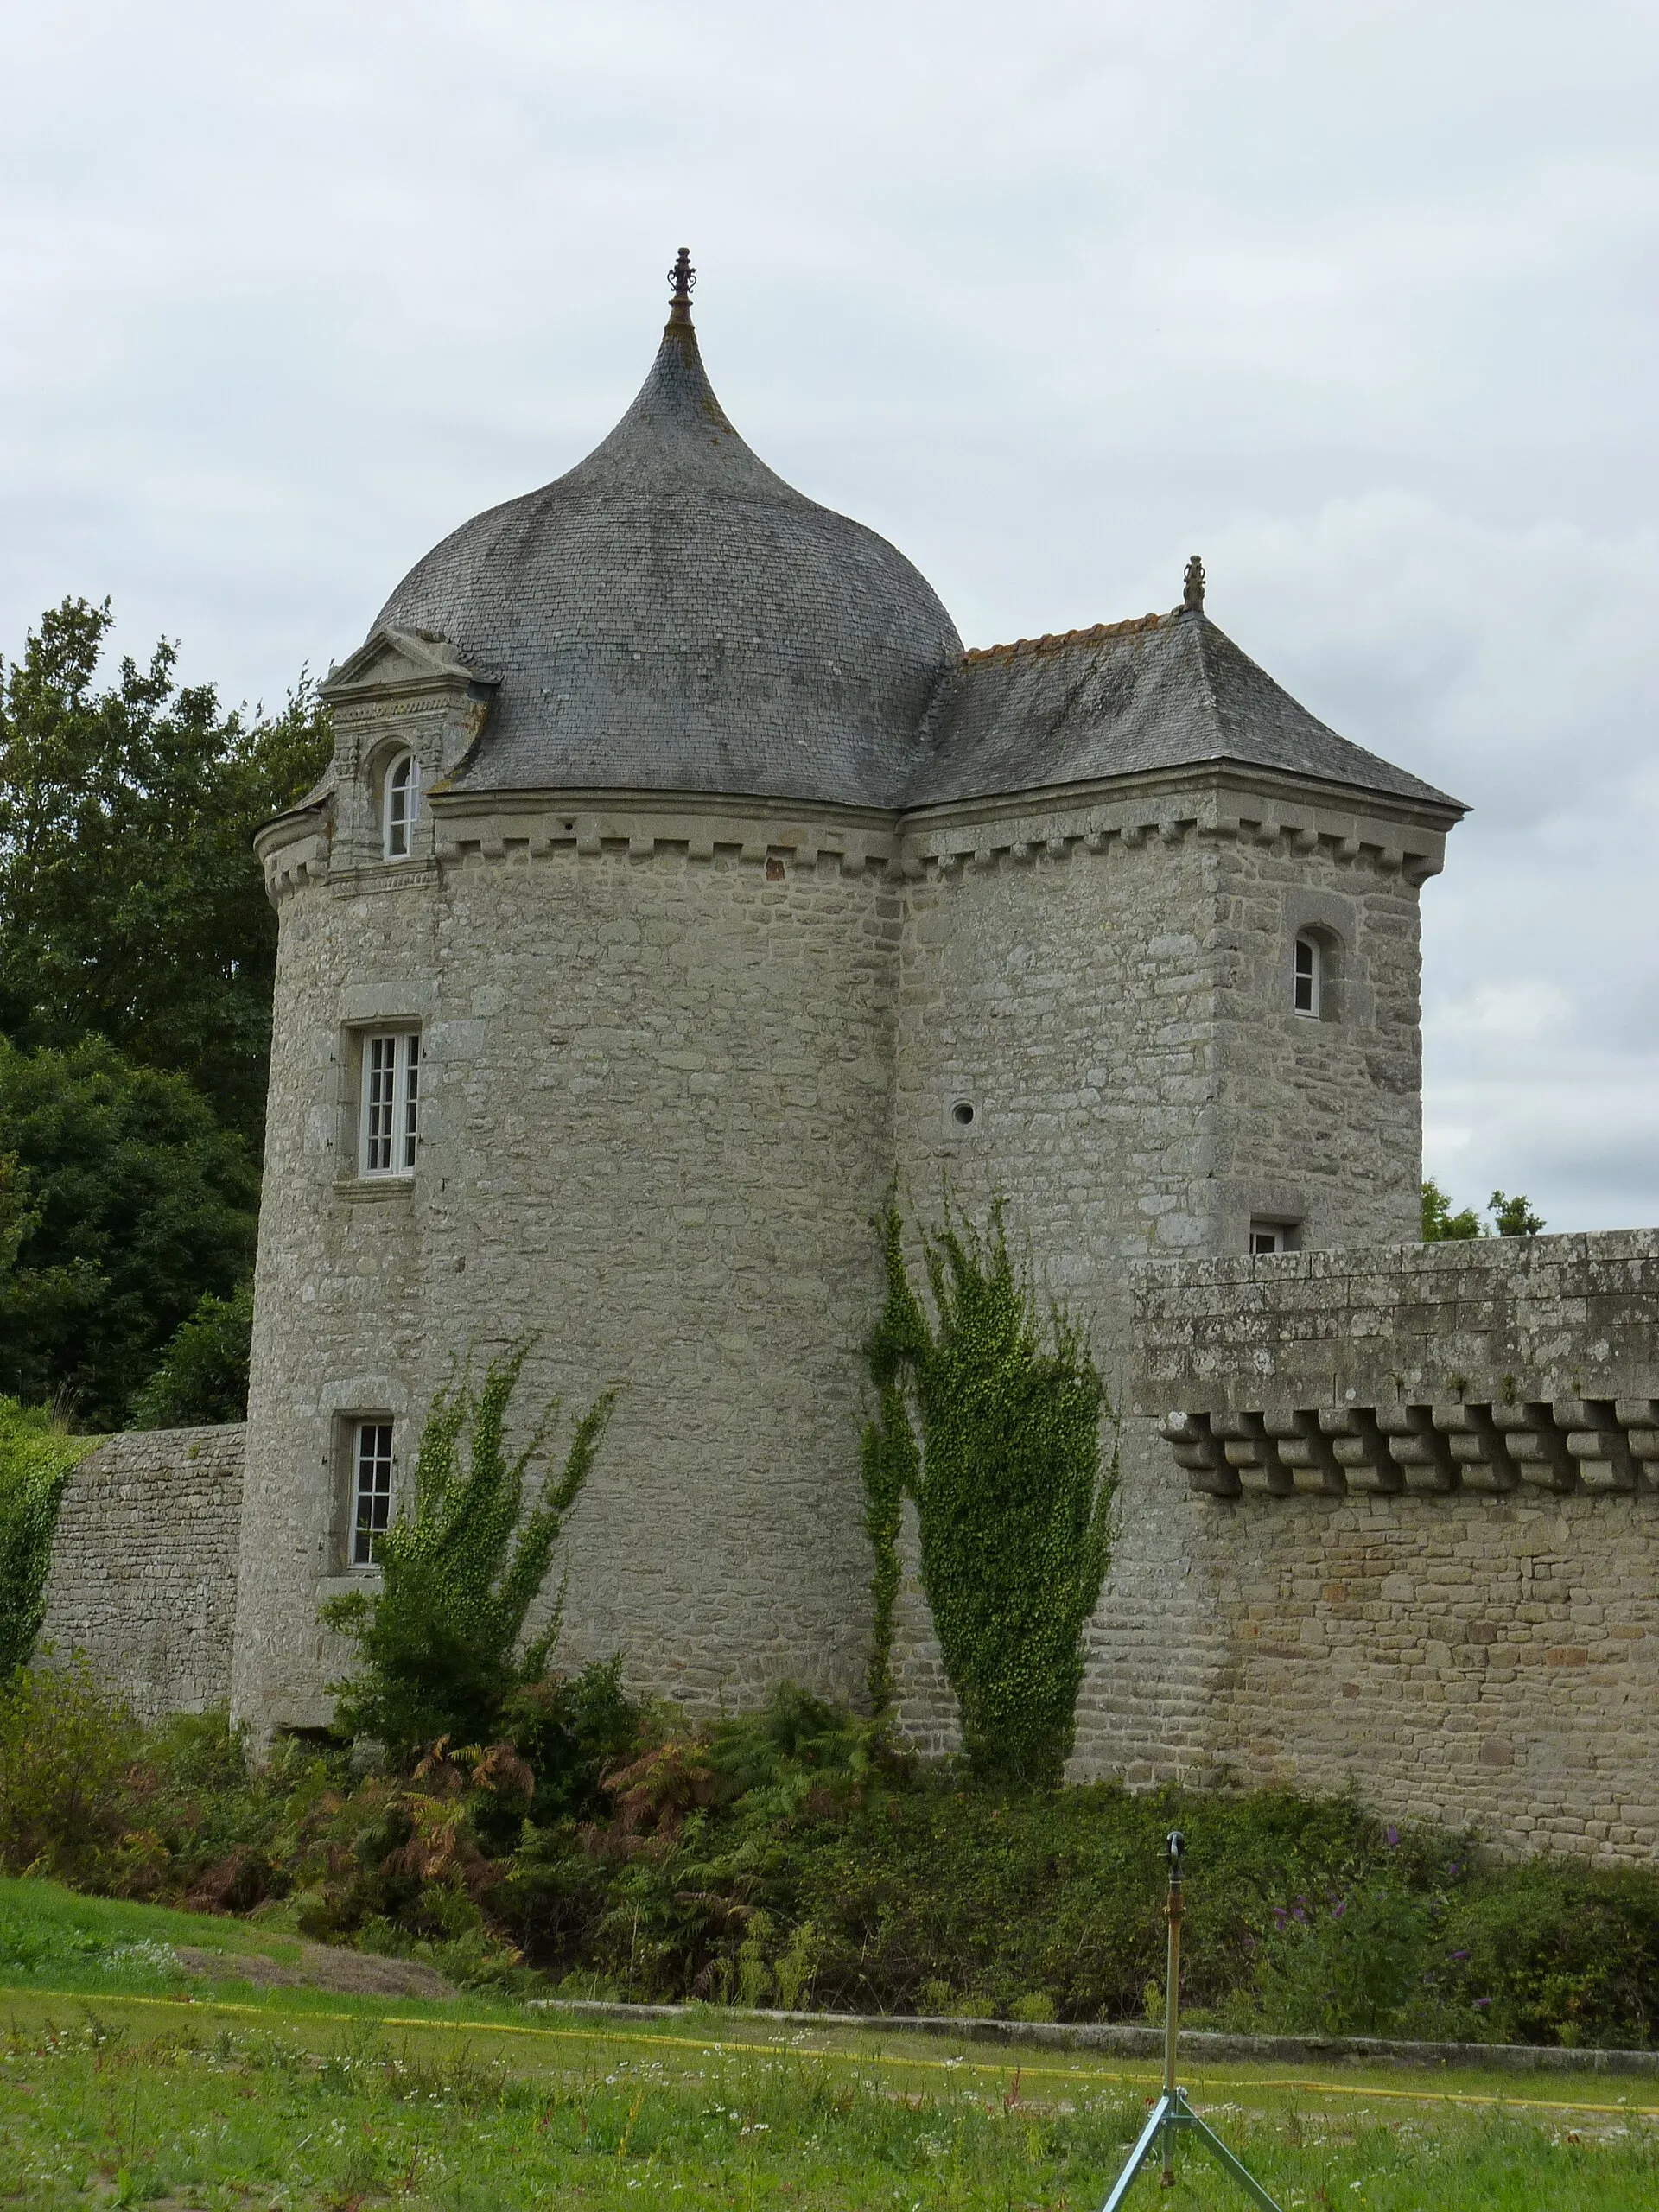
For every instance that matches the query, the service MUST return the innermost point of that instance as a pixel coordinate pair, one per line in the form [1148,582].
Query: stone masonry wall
[656,1074]
[143,1567]
[1425,1485]
[1111,991]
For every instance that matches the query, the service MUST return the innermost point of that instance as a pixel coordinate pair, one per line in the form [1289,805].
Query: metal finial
[681,277]
[1193,588]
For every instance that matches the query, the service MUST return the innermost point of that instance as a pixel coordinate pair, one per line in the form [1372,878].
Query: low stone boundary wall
[144,1566]
[1428,1489]
[1129,2040]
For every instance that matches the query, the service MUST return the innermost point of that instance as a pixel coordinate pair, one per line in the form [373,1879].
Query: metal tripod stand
[1172,2115]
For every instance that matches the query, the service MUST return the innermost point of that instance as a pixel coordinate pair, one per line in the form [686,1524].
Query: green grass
[121,2082]
[54,1938]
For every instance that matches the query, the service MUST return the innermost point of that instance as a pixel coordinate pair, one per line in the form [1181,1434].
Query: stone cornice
[1224,802]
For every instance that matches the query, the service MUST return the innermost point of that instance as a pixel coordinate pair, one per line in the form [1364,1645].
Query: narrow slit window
[1305,996]
[402,797]
[371,1491]
[391,1104]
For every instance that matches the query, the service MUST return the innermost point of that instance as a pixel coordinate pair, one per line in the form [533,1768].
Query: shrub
[437,1647]
[1013,1506]
[36,1455]
[203,1374]
[64,1747]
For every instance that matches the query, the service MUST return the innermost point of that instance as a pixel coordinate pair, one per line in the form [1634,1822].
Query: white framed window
[400,804]
[388,1122]
[1308,982]
[1268,1236]
[371,1490]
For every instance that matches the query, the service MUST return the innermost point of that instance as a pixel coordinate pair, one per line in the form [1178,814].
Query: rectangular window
[391,1102]
[1268,1236]
[1305,998]
[371,1490]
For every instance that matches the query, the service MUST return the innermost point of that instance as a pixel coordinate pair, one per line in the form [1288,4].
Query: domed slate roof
[672,616]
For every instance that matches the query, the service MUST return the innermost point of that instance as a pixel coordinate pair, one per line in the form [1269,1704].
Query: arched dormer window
[1307,985]
[400,803]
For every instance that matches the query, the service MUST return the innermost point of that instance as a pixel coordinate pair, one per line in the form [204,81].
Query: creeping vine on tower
[1013,1504]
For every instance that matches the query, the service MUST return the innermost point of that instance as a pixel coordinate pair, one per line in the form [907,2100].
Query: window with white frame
[1268,1236]
[399,806]
[1309,976]
[371,1490]
[388,1122]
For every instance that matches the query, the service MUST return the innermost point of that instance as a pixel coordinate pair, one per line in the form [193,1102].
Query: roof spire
[681,277]
[1193,588]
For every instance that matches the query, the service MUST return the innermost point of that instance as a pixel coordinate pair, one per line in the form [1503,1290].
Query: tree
[1440,1224]
[1514,1216]
[1510,1218]
[131,906]
[438,1647]
[131,1198]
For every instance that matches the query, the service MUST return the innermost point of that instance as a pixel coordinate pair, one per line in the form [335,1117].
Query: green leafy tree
[129,1198]
[36,1455]
[203,1377]
[1012,1505]
[1440,1224]
[131,906]
[438,1647]
[1510,1218]
[1514,1216]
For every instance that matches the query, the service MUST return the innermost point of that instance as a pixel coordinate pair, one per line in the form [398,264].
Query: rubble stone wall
[143,1567]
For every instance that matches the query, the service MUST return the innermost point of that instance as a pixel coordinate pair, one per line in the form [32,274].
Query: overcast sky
[1357,298]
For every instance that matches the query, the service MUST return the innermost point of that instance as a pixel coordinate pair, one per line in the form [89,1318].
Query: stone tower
[680,887]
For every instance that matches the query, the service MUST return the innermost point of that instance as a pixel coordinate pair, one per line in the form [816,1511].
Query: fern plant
[438,1647]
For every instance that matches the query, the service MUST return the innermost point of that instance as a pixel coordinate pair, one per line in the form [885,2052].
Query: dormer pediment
[399,661]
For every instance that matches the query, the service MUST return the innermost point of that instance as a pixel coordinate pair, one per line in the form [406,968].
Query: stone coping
[1131,2041]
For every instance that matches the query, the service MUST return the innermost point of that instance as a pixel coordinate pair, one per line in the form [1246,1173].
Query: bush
[437,1648]
[787,1856]
[64,1748]
[203,1376]
[36,1455]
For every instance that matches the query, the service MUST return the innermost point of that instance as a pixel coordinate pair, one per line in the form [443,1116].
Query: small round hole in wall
[963,1112]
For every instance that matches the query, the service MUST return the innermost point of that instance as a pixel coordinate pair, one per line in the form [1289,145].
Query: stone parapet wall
[1425,1491]
[143,1567]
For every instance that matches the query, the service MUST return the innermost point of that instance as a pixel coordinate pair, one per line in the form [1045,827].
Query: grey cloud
[1359,301]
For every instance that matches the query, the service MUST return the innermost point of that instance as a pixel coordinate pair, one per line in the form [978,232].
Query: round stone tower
[583,1030]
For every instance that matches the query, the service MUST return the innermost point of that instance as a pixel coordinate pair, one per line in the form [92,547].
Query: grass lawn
[122,2082]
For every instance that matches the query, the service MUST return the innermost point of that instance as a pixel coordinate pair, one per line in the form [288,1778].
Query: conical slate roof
[672,616]
[1166,691]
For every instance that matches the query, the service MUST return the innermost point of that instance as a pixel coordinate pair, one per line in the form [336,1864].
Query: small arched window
[400,804]
[1307,985]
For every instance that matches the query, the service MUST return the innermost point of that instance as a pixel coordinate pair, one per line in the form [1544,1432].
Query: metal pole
[1173,1994]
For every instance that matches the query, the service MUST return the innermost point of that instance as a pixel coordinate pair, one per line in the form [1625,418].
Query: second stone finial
[1193,588]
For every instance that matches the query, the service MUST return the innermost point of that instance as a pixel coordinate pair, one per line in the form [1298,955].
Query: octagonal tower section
[1121,840]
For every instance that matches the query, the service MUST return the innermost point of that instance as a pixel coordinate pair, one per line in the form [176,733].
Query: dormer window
[401,803]
[1308,982]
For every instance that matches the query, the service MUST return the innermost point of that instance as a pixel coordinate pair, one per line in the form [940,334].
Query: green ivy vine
[1012,1501]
